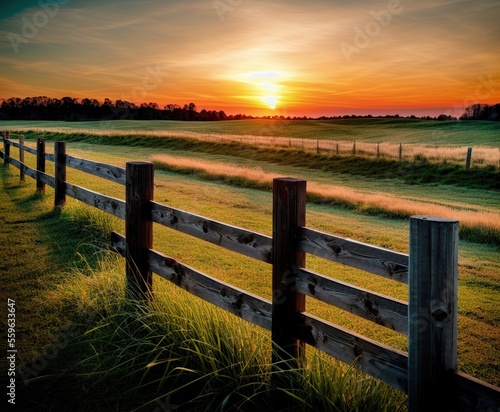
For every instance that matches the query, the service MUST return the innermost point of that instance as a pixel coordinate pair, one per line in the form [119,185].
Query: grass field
[55,261]
[401,139]
[431,132]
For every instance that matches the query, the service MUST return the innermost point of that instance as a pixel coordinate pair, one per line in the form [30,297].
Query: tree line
[482,112]
[72,109]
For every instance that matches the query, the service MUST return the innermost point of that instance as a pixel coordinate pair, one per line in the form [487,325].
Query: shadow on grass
[41,247]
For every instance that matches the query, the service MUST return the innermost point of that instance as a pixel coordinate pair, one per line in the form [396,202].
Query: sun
[266,87]
[271,101]
[268,93]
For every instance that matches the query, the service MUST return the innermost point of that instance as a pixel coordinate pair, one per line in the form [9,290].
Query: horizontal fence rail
[433,251]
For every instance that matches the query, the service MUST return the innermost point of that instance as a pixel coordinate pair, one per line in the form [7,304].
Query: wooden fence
[427,372]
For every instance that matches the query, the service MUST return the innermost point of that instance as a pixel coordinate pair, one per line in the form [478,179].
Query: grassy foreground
[117,353]
[82,347]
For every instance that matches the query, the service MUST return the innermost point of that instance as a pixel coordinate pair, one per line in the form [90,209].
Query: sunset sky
[316,57]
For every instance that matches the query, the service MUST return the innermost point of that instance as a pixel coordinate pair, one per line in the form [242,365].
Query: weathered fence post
[60,174]
[469,157]
[6,147]
[289,212]
[400,154]
[139,228]
[432,331]
[354,148]
[40,164]
[21,158]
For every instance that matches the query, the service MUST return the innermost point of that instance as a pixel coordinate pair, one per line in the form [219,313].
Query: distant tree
[482,112]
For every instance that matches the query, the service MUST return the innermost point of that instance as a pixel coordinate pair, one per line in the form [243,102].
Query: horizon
[275,58]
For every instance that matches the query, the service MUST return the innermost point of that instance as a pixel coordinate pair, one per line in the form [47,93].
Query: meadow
[91,282]
[390,130]
[394,138]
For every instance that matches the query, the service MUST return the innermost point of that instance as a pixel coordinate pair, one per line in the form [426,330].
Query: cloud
[433,50]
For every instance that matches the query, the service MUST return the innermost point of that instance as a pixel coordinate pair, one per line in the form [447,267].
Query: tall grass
[175,352]
[474,226]
[180,351]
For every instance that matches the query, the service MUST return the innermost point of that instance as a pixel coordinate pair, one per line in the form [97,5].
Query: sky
[269,57]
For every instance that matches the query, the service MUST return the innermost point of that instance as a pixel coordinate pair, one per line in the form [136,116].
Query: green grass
[87,292]
[412,173]
[478,133]
[82,347]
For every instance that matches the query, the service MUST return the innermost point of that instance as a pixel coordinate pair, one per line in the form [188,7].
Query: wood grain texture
[237,301]
[239,240]
[369,258]
[383,310]
[289,213]
[433,311]
[111,205]
[139,189]
[112,173]
[375,359]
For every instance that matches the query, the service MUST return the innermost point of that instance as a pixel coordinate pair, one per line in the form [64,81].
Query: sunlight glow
[266,86]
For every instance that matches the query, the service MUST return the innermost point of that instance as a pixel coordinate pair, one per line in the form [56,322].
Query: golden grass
[341,194]
[481,155]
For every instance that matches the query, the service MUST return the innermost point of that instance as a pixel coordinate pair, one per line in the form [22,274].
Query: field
[478,133]
[402,139]
[204,188]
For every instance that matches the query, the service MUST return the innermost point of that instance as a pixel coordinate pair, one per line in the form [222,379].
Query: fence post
[139,228]
[40,164]
[21,158]
[60,174]
[6,147]
[469,157]
[289,212]
[432,330]
[400,151]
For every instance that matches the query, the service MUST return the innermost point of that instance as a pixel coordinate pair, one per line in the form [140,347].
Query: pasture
[391,130]
[403,139]
[213,197]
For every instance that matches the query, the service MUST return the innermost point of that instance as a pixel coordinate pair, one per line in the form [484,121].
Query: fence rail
[427,372]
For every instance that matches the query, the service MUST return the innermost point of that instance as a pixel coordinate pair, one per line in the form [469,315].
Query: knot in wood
[396,268]
[335,247]
[177,269]
[205,226]
[246,239]
[440,315]
[370,307]
[238,303]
